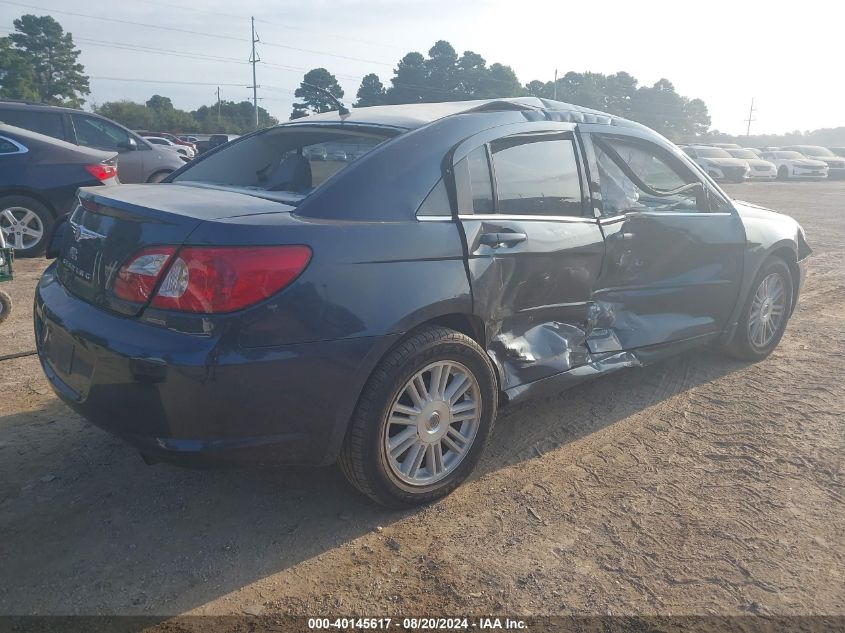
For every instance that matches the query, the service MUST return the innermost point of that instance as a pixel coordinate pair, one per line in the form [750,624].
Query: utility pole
[253,59]
[555,87]
[218,106]
[750,118]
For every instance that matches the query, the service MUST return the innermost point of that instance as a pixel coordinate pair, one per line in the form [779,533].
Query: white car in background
[718,163]
[185,150]
[835,164]
[760,169]
[795,165]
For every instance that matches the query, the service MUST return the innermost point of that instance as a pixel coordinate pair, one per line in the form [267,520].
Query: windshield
[742,153]
[711,152]
[817,151]
[291,159]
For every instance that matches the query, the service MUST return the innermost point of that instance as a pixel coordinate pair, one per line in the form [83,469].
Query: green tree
[135,116]
[371,92]
[315,101]
[441,66]
[17,74]
[58,77]
[409,80]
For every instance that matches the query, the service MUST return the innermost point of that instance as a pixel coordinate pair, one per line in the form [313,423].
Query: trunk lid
[111,224]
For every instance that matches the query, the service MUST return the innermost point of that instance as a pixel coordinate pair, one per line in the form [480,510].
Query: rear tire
[5,306]
[26,224]
[436,393]
[783,172]
[766,312]
[158,177]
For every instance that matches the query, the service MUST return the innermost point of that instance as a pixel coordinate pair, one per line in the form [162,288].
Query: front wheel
[423,419]
[783,172]
[766,312]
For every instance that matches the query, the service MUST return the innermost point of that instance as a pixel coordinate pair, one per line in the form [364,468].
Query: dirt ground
[701,485]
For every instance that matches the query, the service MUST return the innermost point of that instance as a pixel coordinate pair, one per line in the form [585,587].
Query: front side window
[536,177]
[635,176]
[99,134]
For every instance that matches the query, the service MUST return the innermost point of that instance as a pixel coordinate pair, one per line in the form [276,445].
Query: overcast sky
[788,56]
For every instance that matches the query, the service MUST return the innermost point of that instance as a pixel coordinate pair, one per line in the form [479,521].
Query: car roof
[414,115]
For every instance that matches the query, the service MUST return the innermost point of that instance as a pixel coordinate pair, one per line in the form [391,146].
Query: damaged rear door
[534,248]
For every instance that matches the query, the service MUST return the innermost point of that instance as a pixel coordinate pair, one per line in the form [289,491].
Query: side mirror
[129,146]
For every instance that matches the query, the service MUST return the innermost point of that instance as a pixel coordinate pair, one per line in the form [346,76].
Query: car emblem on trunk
[81,233]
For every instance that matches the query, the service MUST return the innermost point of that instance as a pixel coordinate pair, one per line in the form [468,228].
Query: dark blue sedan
[263,306]
[39,176]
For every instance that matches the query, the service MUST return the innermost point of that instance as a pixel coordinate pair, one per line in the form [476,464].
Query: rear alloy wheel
[25,224]
[422,421]
[766,312]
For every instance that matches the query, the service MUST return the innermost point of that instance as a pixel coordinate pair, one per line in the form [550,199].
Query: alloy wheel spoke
[414,459]
[9,215]
[402,441]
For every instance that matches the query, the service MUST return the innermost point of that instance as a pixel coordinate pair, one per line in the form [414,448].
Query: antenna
[341,109]
[750,118]
[555,87]
[254,59]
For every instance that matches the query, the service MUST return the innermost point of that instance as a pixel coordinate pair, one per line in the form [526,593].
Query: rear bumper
[196,399]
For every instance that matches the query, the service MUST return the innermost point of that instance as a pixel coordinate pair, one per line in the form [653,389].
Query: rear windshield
[283,163]
[711,152]
[817,151]
[742,153]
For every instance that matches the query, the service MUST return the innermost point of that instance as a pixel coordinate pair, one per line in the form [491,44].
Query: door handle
[496,240]
[620,237]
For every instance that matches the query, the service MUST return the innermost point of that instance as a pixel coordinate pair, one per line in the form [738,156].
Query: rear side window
[536,177]
[8,146]
[48,123]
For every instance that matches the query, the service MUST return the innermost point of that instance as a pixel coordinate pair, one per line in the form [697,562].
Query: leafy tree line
[446,76]
[159,115]
[826,137]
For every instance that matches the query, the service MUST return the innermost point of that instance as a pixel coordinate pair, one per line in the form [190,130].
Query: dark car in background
[39,178]
[837,151]
[376,313]
[138,160]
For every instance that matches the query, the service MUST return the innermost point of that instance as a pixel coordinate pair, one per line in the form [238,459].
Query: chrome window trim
[21,149]
[516,217]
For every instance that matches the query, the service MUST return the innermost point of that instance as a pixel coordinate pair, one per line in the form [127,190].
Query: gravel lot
[699,486]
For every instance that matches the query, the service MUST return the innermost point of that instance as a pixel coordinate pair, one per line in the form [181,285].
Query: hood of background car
[759,162]
[807,162]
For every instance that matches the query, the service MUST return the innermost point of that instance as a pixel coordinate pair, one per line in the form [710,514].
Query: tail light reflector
[137,278]
[102,171]
[208,280]
[224,279]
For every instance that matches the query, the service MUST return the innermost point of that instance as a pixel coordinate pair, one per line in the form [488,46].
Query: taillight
[209,280]
[102,171]
[137,278]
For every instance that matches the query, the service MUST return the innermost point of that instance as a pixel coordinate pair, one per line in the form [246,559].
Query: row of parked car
[730,162]
[47,153]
